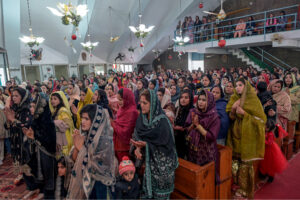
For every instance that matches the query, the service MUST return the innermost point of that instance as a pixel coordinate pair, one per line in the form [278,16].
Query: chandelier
[89,46]
[141,31]
[69,13]
[180,40]
[31,40]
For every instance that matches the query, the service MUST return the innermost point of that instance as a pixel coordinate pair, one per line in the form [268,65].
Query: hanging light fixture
[31,40]
[141,31]
[89,46]
[69,13]
[112,39]
[179,39]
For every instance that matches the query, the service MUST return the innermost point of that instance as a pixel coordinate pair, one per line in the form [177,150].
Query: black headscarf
[183,111]
[103,101]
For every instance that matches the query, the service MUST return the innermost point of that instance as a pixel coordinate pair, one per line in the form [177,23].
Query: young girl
[128,185]
[64,165]
[274,161]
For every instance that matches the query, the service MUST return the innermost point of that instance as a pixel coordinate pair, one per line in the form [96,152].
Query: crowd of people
[209,27]
[119,135]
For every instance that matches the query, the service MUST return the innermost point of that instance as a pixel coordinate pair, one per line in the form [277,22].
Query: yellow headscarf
[246,135]
[81,104]
[65,115]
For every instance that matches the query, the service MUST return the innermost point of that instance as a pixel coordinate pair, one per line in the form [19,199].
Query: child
[64,166]
[128,185]
[170,112]
[274,161]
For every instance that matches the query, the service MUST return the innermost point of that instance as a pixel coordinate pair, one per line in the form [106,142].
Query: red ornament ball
[222,43]
[74,37]
[141,45]
[33,55]
[200,5]
[170,57]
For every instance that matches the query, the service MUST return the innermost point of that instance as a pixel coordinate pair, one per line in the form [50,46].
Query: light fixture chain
[29,16]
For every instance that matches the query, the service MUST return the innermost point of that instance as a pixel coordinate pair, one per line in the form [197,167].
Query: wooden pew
[297,141]
[223,191]
[194,181]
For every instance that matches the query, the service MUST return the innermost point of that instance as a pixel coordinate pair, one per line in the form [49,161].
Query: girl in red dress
[274,161]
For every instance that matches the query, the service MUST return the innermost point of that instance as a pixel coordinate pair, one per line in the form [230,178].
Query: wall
[174,63]
[213,61]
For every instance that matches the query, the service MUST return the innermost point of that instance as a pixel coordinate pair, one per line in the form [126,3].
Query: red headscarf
[125,122]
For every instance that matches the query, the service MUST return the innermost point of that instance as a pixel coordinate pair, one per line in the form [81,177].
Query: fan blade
[237,11]
[211,13]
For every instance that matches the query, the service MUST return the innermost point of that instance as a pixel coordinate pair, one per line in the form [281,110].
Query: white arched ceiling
[164,14]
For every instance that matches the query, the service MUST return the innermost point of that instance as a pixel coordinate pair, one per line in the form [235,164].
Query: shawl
[125,122]
[113,103]
[160,152]
[183,111]
[63,122]
[166,98]
[103,101]
[176,96]
[221,109]
[283,101]
[74,95]
[203,149]
[246,134]
[209,120]
[95,160]
[87,100]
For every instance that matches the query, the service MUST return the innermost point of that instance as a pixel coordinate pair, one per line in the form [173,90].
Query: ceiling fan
[222,15]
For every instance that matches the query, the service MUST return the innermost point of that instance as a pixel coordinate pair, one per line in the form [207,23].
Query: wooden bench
[297,141]
[223,190]
[288,148]
[194,181]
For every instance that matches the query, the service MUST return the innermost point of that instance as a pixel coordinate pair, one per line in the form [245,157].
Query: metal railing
[263,56]
[213,31]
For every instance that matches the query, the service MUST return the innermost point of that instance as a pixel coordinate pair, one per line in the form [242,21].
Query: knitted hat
[126,165]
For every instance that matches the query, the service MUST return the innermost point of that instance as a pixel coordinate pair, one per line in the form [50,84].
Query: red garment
[274,161]
[125,122]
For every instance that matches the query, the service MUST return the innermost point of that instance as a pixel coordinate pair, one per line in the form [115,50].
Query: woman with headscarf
[283,101]
[124,123]
[154,134]
[221,104]
[185,104]
[52,87]
[112,99]
[131,86]
[228,90]
[293,89]
[41,140]
[203,127]
[73,93]
[175,93]
[141,85]
[246,135]
[62,117]
[18,117]
[93,154]
[64,165]
[3,97]
[86,96]
[100,98]
[164,96]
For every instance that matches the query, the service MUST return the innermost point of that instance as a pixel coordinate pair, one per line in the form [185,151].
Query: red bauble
[74,37]
[33,55]
[141,45]
[222,43]
[170,57]
[200,5]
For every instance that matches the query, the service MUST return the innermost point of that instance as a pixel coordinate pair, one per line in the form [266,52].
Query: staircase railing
[257,61]
[263,55]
